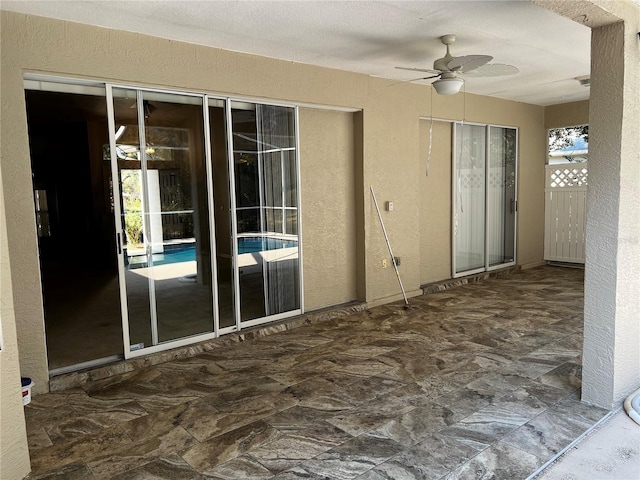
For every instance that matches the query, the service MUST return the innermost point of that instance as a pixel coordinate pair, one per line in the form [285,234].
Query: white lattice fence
[565,212]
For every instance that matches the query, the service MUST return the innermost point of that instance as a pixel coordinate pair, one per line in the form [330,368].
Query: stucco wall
[14,453]
[20,220]
[327,170]
[612,292]
[435,202]
[387,154]
[566,114]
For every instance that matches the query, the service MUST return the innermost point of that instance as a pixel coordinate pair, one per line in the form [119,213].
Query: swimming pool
[260,244]
[186,252]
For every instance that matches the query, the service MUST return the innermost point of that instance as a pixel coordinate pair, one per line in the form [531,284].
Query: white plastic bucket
[27,384]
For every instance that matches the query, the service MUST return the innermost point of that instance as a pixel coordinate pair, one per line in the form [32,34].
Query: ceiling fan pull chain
[430,133]
[464,103]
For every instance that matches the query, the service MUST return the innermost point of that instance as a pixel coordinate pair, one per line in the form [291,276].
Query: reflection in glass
[164,204]
[42,213]
[292,222]
[485,196]
[165,216]
[248,220]
[221,185]
[469,213]
[75,227]
[266,209]
[132,221]
[501,195]
[276,129]
[290,179]
[178,215]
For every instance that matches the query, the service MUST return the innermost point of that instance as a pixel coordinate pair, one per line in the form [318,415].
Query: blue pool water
[187,252]
[260,244]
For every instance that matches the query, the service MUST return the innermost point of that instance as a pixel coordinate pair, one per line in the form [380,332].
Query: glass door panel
[160,160]
[501,196]
[224,237]
[178,214]
[132,219]
[249,216]
[266,209]
[276,129]
[469,200]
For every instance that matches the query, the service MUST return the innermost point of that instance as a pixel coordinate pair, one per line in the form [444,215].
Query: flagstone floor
[479,381]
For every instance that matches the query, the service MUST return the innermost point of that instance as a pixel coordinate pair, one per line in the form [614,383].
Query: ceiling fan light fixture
[448,86]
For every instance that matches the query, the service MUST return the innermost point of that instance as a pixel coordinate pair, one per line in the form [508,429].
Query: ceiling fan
[449,67]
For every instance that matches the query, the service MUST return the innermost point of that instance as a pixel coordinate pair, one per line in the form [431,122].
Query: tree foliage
[560,138]
[132,206]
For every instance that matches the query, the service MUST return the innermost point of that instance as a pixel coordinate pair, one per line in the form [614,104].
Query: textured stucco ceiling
[369,37]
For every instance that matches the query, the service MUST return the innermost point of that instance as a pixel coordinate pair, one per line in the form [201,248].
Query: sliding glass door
[265,208]
[205,196]
[484,198]
[161,196]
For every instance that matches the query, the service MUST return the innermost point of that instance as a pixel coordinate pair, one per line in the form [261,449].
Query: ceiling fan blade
[412,80]
[493,70]
[468,62]
[436,72]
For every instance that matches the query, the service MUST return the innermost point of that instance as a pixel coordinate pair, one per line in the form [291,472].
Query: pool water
[187,252]
[260,244]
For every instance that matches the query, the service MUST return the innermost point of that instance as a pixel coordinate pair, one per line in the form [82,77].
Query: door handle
[514,206]
[119,243]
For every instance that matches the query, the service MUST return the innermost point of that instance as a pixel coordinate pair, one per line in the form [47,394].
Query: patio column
[611,356]
[14,449]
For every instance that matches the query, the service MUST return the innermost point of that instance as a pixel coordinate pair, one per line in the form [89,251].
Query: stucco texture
[14,453]
[327,171]
[612,300]
[435,199]
[567,114]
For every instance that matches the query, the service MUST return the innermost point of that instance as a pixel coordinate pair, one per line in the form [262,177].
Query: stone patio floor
[479,381]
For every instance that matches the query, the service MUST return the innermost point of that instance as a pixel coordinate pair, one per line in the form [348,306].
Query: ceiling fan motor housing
[441,63]
[448,69]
